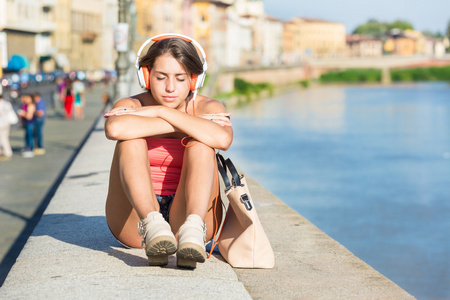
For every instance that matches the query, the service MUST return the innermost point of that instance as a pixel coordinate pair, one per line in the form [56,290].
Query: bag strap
[222,167]
[234,172]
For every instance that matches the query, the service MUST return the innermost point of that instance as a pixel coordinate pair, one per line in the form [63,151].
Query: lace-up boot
[191,242]
[158,239]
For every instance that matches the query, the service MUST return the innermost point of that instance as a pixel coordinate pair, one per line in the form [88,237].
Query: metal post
[122,63]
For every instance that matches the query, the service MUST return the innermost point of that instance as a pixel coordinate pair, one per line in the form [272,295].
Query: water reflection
[368,165]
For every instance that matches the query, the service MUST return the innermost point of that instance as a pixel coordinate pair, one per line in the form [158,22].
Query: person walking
[28,119]
[68,98]
[40,114]
[7,118]
[80,101]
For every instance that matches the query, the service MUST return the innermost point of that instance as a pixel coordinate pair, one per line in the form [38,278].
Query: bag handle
[234,172]
[222,167]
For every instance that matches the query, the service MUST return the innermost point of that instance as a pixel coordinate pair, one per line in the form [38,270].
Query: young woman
[29,122]
[163,170]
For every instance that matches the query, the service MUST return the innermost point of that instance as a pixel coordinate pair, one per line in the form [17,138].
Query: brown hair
[184,52]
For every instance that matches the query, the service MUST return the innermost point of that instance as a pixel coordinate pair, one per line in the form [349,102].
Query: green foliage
[379,29]
[397,75]
[422,74]
[400,24]
[352,76]
[372,27]
[304,83]
[244,87]
[448,30]
[436,35]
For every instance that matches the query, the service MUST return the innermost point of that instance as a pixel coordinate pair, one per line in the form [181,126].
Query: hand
[223,119]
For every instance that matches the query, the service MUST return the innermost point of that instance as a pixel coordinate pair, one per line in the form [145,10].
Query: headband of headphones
[144,73]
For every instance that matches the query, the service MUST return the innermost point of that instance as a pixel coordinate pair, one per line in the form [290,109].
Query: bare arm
[31,108]
[128,126]
[130,120]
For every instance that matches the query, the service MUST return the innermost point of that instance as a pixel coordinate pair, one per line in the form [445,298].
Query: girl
[163,170]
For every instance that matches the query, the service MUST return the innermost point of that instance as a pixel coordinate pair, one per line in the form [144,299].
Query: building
[253,13]
[272,41]
[398,43]
[317,38]
[210,29]
[239,40]
[29,26]
[60,34]
[87,34]
[155,17]
[290,55]
[364,46]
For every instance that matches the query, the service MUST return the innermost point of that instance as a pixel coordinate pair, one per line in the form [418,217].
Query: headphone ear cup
[145,77]
[194,79]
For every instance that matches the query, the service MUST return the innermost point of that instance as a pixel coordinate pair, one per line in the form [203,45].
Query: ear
[193,82]
[146,76]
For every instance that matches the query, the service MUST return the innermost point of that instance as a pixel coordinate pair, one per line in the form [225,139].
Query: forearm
[128,127]
[205,131]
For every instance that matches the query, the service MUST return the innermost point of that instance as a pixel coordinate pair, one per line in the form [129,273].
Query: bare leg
[130,195]
[197,189]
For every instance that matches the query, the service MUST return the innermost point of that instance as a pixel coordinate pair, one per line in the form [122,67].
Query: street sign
[121,37]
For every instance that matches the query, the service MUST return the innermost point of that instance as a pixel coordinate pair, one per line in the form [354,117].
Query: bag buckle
[246,201]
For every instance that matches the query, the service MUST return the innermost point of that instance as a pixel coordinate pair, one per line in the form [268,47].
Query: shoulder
[128,102]
[206,105]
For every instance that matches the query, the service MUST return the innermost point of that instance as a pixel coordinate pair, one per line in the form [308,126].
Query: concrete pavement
[28,184]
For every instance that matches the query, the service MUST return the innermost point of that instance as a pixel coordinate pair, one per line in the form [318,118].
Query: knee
[196,149]
[132,146]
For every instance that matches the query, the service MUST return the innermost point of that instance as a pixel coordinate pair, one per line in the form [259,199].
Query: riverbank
[373,75]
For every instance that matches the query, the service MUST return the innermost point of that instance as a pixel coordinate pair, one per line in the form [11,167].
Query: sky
[432,15]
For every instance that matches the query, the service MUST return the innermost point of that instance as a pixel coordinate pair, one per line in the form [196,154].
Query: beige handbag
[242,242]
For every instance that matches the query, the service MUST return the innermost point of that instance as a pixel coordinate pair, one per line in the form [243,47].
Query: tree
[372,27]
[448,30]
[379,29]
[431,34]
[400,24]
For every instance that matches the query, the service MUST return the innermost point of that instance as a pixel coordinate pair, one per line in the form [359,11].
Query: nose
[170,85]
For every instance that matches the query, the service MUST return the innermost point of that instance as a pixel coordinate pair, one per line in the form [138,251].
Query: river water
[369,165]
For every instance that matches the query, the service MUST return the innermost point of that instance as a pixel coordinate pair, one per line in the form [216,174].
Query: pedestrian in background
[7,118]
[40,114]
[28,120]
[80,101]
[68,98]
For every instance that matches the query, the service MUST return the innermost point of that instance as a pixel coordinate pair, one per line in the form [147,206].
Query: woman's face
[169,82]
[26,99]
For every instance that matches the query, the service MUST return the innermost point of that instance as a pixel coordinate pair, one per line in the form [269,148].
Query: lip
[169,98]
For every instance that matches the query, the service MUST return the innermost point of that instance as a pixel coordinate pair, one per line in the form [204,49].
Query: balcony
[88,36]
[48,3]
[47,26]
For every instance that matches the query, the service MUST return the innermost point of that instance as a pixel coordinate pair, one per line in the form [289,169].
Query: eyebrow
[165,74]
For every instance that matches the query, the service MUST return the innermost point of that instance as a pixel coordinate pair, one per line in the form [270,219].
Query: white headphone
[143,72]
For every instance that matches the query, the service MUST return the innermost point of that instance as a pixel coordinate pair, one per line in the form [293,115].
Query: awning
[18,62]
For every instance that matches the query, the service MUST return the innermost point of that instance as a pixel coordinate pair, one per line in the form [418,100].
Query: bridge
[222,80]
